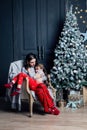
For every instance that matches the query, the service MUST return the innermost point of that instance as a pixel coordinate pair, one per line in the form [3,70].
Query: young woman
[40,88]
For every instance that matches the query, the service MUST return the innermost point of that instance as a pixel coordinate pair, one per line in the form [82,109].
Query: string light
[84,21]
[80,12]
[76,8]
[81,17]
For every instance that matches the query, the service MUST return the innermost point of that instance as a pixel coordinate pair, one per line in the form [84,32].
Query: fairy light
[75,12]
[84,21]
[86,6]
[81,17]
[81,10]
[80,13]
[76,8]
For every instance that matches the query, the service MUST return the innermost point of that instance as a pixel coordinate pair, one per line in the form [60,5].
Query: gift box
[75,100]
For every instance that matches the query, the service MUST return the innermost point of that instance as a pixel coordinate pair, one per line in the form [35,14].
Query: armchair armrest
[50,85]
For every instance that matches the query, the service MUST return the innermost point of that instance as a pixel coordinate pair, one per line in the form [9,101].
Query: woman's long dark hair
[28,58]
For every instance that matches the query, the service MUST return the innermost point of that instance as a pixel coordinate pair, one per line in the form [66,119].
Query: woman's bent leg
[46,100]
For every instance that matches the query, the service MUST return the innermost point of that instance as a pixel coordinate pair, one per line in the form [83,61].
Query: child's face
[37,68]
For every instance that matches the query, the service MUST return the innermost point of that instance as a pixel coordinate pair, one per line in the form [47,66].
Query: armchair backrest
[14,69]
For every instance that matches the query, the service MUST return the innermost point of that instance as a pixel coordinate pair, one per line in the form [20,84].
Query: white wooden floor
[67,120]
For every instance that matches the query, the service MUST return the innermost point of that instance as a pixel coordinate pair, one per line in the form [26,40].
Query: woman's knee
[39,91]
[22,75]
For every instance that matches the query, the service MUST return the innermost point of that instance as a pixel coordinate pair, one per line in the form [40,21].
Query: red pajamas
[21,76]
[44,97]
[40,90]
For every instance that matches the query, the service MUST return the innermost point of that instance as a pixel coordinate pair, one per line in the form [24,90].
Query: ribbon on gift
[74,104]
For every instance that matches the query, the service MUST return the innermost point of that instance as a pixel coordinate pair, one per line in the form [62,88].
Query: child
[40,73]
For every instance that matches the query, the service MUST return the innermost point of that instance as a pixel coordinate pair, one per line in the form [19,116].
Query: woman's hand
[37,76]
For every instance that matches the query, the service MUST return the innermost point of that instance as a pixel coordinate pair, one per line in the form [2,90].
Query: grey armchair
[14,69]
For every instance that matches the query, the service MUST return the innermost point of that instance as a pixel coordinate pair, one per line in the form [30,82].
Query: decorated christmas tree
[70,67]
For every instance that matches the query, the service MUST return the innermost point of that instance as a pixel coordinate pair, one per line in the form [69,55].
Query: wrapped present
[75,100]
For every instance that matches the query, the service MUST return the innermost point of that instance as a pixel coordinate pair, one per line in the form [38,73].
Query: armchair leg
[31,105]
[31,100]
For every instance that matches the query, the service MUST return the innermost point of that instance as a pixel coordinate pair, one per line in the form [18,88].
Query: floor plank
[67,120]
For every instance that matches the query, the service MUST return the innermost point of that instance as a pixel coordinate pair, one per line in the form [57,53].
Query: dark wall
[27,22]
[37,25]
[6,41]
[26,25]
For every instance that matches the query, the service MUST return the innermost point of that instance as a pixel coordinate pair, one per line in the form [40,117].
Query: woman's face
[32,62]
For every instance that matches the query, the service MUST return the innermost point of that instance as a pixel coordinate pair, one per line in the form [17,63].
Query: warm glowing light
[80,17]
[83,21]
[75,12]
[86,11]
[78,12]
[81,10]
[76,8]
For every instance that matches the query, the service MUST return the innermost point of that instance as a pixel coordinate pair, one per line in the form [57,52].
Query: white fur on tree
[70,56]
